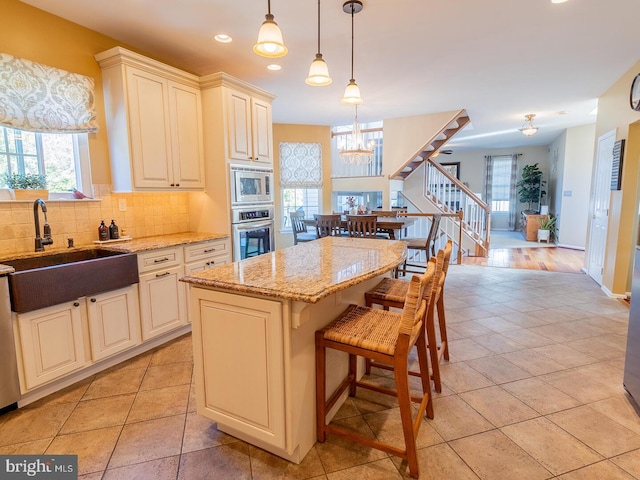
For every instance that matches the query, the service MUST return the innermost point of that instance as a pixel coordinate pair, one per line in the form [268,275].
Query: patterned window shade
[40,98]
[300,165]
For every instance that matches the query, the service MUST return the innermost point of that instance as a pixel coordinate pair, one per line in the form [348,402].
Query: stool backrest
[415,305]
[362,225]
[328,225]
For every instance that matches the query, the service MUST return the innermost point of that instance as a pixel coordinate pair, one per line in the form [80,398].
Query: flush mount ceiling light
[352,92]
[528,128]
[270,43]
[318,71]
[355,151]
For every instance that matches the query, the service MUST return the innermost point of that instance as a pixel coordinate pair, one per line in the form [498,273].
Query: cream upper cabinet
[249,128]
[154,123]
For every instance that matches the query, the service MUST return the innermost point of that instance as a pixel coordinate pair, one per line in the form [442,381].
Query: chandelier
[528,128]
[355,151]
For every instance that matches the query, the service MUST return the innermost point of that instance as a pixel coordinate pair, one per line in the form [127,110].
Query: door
[114,321]
[162,302]
[262,134]
[186,135]
[52,342]
[149,129]
[239,124]
[600,208]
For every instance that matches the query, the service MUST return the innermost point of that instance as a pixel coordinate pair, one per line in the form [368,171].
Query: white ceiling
[498,59]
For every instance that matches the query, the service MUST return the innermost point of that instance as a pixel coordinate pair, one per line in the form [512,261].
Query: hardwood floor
[552,259]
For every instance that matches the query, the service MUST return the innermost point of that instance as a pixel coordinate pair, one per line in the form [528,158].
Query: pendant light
[270,43]
[352,92]
[318,71]
[528,129]
[355,152]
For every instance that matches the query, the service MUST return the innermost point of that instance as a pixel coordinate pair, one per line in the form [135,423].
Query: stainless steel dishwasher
[10,387]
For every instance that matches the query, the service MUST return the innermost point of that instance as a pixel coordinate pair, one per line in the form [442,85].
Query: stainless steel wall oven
[252,229]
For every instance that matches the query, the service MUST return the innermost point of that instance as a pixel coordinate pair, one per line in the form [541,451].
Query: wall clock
[634,95]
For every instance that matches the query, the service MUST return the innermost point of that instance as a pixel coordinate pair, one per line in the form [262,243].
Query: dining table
[393,226]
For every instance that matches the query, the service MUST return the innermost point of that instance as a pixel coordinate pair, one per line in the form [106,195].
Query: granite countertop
[128,246]
[6,270]
[307,272]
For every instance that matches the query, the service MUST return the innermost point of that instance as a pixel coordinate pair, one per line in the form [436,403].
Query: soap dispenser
[113,231]
[103,232]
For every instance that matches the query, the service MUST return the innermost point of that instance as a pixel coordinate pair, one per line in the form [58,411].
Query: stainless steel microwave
[251,185]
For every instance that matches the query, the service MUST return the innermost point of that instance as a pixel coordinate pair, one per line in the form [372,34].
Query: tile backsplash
[136,214]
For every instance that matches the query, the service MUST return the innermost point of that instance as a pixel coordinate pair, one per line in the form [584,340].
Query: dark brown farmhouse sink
[46,280]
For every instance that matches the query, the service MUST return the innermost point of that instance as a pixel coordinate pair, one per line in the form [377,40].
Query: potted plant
[28,186]
[547,230]
[530,187]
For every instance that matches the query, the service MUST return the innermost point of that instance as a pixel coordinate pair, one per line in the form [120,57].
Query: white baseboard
[610,294]
[572,247]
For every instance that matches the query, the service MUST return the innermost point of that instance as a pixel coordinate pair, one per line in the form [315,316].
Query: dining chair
[419,245]
[390,293]
[387,337]
[299,229]
[362,226]
[328,225]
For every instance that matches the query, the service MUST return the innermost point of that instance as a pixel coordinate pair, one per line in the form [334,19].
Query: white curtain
[40,98]
[300,165]
[513,194]
[488,179]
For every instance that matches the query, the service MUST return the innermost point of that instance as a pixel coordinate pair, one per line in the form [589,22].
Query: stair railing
[450,195]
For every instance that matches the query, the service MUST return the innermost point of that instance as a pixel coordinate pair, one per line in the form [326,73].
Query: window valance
[40,98]
[300,165]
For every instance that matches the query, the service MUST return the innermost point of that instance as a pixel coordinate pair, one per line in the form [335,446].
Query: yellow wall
[306,134]
[614,112]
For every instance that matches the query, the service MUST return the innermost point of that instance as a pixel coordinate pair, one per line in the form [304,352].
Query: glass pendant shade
[318,72]
[270,43]
[352,94]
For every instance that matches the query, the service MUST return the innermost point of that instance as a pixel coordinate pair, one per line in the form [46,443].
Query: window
[300,179]
[296,199]
[62,158]
[501,184]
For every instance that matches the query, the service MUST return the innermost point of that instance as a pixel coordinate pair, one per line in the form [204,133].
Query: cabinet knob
[172,185]
[93,300]
[177,184]
[76,304]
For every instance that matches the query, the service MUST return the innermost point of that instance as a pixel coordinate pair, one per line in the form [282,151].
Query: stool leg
[425,376]
[320,387]
[353,374]
[401,374]
[442,323]
[433,350]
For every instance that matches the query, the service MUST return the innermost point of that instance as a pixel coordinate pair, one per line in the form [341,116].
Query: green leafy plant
[28,181]
[548,223]
[530,187]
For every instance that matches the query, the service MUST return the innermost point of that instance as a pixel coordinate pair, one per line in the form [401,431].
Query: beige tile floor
[533,391]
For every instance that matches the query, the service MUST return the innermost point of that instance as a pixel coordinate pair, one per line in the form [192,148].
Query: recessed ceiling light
[274,67]
[558,1]
[223,38]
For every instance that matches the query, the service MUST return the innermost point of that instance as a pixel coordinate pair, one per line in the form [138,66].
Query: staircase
[456,123]
[444,193]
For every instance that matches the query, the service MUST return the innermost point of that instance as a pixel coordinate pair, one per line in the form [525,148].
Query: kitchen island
[253,335]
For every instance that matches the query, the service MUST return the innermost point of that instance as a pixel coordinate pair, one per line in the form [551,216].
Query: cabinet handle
[76,304]
[209,250]
[160,260]
[172,185]
[177,184]
[93,300]
[158,275]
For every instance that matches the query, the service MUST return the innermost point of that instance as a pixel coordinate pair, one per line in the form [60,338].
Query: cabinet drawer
[158,259]
[206,250]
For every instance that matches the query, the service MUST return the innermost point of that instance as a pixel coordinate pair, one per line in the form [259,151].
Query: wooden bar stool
[390,293]
[387,337]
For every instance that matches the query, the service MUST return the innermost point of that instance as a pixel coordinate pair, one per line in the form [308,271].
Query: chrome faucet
[47,240]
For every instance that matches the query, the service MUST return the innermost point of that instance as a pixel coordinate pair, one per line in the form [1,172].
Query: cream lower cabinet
[247,396]
[114,321]
[162,296]
[51,343]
